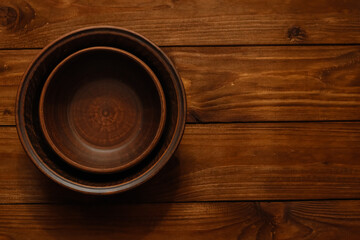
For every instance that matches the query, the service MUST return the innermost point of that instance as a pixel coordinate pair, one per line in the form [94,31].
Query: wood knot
[8,16]
[3,67]
[6,112]
[18,17]
[296,34]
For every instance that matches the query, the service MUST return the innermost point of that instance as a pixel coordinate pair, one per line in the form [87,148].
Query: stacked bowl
[101,110]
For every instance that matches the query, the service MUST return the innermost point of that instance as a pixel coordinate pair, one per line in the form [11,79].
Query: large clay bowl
[28,99]
[102,109]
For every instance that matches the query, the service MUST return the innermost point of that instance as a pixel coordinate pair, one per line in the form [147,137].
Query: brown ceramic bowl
[102,109]
[40,151]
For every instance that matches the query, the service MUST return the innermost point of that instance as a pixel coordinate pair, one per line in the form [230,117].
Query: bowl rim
[150,146]
[101,190]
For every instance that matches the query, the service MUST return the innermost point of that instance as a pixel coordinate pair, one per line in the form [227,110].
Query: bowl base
[105,114]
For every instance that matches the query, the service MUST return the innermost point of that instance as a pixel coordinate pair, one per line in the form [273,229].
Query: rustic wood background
[272,145]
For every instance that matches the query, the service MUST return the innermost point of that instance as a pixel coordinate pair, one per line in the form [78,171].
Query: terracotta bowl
[28,117]
[102,109]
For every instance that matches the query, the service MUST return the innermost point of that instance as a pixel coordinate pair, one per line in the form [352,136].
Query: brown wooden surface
[242,220]
[236,84]
[291,69]
[33,23]
[221,162]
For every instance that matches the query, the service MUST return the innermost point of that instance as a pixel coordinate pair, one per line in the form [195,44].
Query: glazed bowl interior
[102,110]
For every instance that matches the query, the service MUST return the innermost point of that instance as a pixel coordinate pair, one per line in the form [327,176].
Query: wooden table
[271,148]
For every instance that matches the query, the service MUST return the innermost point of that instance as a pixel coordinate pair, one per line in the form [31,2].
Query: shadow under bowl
[102,110]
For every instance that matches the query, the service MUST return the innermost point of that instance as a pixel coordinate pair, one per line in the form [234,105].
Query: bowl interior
[102,109]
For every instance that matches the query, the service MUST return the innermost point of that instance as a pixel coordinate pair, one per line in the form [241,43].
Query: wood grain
[228,78]
[236,84]
[219,162]
[245,220]
[33,23]
[12,66]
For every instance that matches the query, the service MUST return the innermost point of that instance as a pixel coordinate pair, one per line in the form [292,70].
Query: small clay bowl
[42,154]
[102,109]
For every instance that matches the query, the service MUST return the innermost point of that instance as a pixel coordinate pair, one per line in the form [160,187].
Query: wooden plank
[235,84]
[12,66]
[245,220]
[219,162]
[34,23]
[270,83]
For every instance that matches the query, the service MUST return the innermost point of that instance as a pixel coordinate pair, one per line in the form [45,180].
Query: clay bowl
[28,117]
[102,109]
